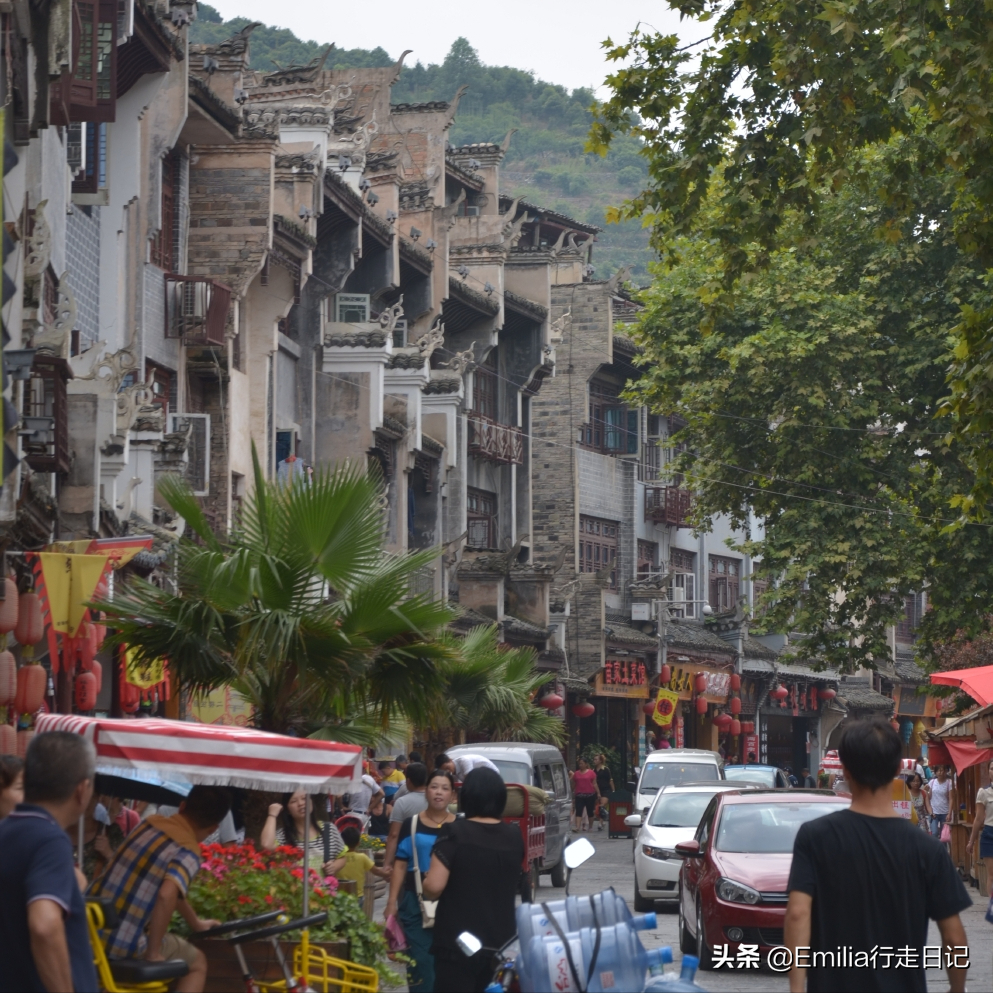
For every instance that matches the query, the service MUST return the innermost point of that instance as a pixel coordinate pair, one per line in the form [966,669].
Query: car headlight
[658,853]
[734,892]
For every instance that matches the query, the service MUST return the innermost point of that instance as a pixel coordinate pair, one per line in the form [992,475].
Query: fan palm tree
[489,688]
[300,608]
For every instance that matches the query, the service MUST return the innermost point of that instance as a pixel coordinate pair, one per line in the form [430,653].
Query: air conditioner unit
[472,212]
[198,449]
[351,308]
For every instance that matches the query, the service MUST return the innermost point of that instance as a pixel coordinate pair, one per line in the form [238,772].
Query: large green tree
[780,96]
[809,396]
[300,608]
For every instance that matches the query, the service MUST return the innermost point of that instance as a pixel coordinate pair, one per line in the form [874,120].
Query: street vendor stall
[212,755]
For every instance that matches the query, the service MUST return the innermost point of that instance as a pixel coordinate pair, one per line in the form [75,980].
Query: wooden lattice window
[47,449]
[163,252]
[612,428]
[598,547]
[725,582]
[648,557]
[481,518]
[485,392]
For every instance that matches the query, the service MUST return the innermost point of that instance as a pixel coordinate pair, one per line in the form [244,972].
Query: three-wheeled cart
[532,828]
[213,755]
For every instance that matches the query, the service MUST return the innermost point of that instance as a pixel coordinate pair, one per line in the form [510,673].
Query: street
[612,866]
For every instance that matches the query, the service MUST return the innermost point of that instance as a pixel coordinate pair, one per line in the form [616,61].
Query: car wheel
[703,951]
[642,904]
[687,944]
[558,873]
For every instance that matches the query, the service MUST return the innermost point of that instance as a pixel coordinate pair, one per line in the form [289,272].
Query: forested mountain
[546,162]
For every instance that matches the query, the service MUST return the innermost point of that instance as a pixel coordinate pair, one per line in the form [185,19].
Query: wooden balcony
[667,505]
[500,443]
[196,309]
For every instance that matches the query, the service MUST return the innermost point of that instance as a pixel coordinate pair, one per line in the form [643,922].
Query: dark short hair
[400,758]
[440,760]
[416,773]
[442,774]
[55,764]
[10,768]
[351,837]
[751,755]
[385,763]
[870,751]
[484,794]
[416,757]
[206,806]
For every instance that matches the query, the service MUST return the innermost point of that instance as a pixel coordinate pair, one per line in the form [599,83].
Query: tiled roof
[623,634]
[550,215]
[686,634]
[519,628]
[858,694]
[757,650]
[908,669]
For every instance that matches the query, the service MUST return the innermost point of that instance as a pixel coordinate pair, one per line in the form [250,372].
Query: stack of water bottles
[590,944]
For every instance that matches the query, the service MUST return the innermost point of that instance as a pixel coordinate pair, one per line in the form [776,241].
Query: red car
[732,886]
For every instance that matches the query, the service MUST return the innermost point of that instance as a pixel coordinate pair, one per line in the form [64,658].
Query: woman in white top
[288,829]
[984,822]
[940,789]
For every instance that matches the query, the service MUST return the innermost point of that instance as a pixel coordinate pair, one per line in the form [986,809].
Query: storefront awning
[960,753]
[978,683]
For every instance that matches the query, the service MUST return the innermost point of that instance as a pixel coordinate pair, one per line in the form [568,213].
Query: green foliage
[489,687]
[546,157]
[300,609]
[810,394]
[782,98]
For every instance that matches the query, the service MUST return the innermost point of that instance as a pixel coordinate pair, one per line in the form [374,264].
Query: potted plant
[243,881]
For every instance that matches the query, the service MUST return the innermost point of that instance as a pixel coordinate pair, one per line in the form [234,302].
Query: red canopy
[217,755]
[978,683]
[964,754]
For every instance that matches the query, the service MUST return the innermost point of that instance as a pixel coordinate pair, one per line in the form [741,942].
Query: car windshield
[753,773]
[659,774]
[757,827]
[680,809]
[513,772]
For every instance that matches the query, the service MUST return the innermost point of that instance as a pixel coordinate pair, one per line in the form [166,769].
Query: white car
[672,818]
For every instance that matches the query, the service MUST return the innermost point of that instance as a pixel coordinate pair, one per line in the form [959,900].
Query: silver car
[672,818]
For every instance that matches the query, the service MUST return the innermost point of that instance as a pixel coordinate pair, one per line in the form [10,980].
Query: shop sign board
[910,703]
[680,733]
[627,678]
[684,677]
[750,745]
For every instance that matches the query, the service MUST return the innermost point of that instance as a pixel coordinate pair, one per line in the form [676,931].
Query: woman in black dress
[475,875]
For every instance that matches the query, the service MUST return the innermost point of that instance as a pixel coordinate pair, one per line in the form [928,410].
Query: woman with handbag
[407,903]
[475,875]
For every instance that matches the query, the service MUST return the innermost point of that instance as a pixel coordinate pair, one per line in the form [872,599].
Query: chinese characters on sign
[623,678]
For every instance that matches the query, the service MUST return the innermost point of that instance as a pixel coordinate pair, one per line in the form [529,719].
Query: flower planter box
[224,973]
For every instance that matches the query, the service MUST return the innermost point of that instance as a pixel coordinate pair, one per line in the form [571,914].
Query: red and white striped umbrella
[831,762]
[215,755]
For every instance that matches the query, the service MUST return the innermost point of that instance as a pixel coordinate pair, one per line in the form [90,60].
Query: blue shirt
[426,837]
[36,864]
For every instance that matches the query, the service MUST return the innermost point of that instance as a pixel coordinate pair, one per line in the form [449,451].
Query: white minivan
[672,767]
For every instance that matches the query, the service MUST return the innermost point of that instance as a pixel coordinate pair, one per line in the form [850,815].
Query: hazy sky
[559,41]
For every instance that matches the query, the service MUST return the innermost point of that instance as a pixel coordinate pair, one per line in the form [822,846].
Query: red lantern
[100,632]
[8,739]
[735,704]
[86,691]
[735,681]
[8,609]
[97,671]
[649,707]
[827,694]
[8,678]
[736,727]
[30,628]
[701,682]
[130,697]
[748,727]
[551,701]
[23,740]
[723,721]
[32,680]
[85,644]
[665,675]
[780,693]
[584,709]
[701,705]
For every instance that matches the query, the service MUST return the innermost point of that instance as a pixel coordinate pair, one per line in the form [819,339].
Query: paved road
[612,866]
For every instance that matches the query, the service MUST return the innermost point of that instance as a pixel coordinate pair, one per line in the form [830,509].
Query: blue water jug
[620,965]
[576,912]
[671,983]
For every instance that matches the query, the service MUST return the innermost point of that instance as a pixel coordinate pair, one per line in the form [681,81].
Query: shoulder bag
[428,907]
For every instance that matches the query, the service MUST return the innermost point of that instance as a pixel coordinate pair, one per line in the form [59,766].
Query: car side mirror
[689,849]
[468,944]
[633,820]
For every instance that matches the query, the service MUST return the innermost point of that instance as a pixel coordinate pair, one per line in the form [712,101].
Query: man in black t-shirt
[864,883]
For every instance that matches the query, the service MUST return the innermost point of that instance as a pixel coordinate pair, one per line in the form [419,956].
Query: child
[353,864]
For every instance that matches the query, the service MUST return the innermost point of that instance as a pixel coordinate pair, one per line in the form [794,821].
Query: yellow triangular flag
[86,573]
[56,570]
